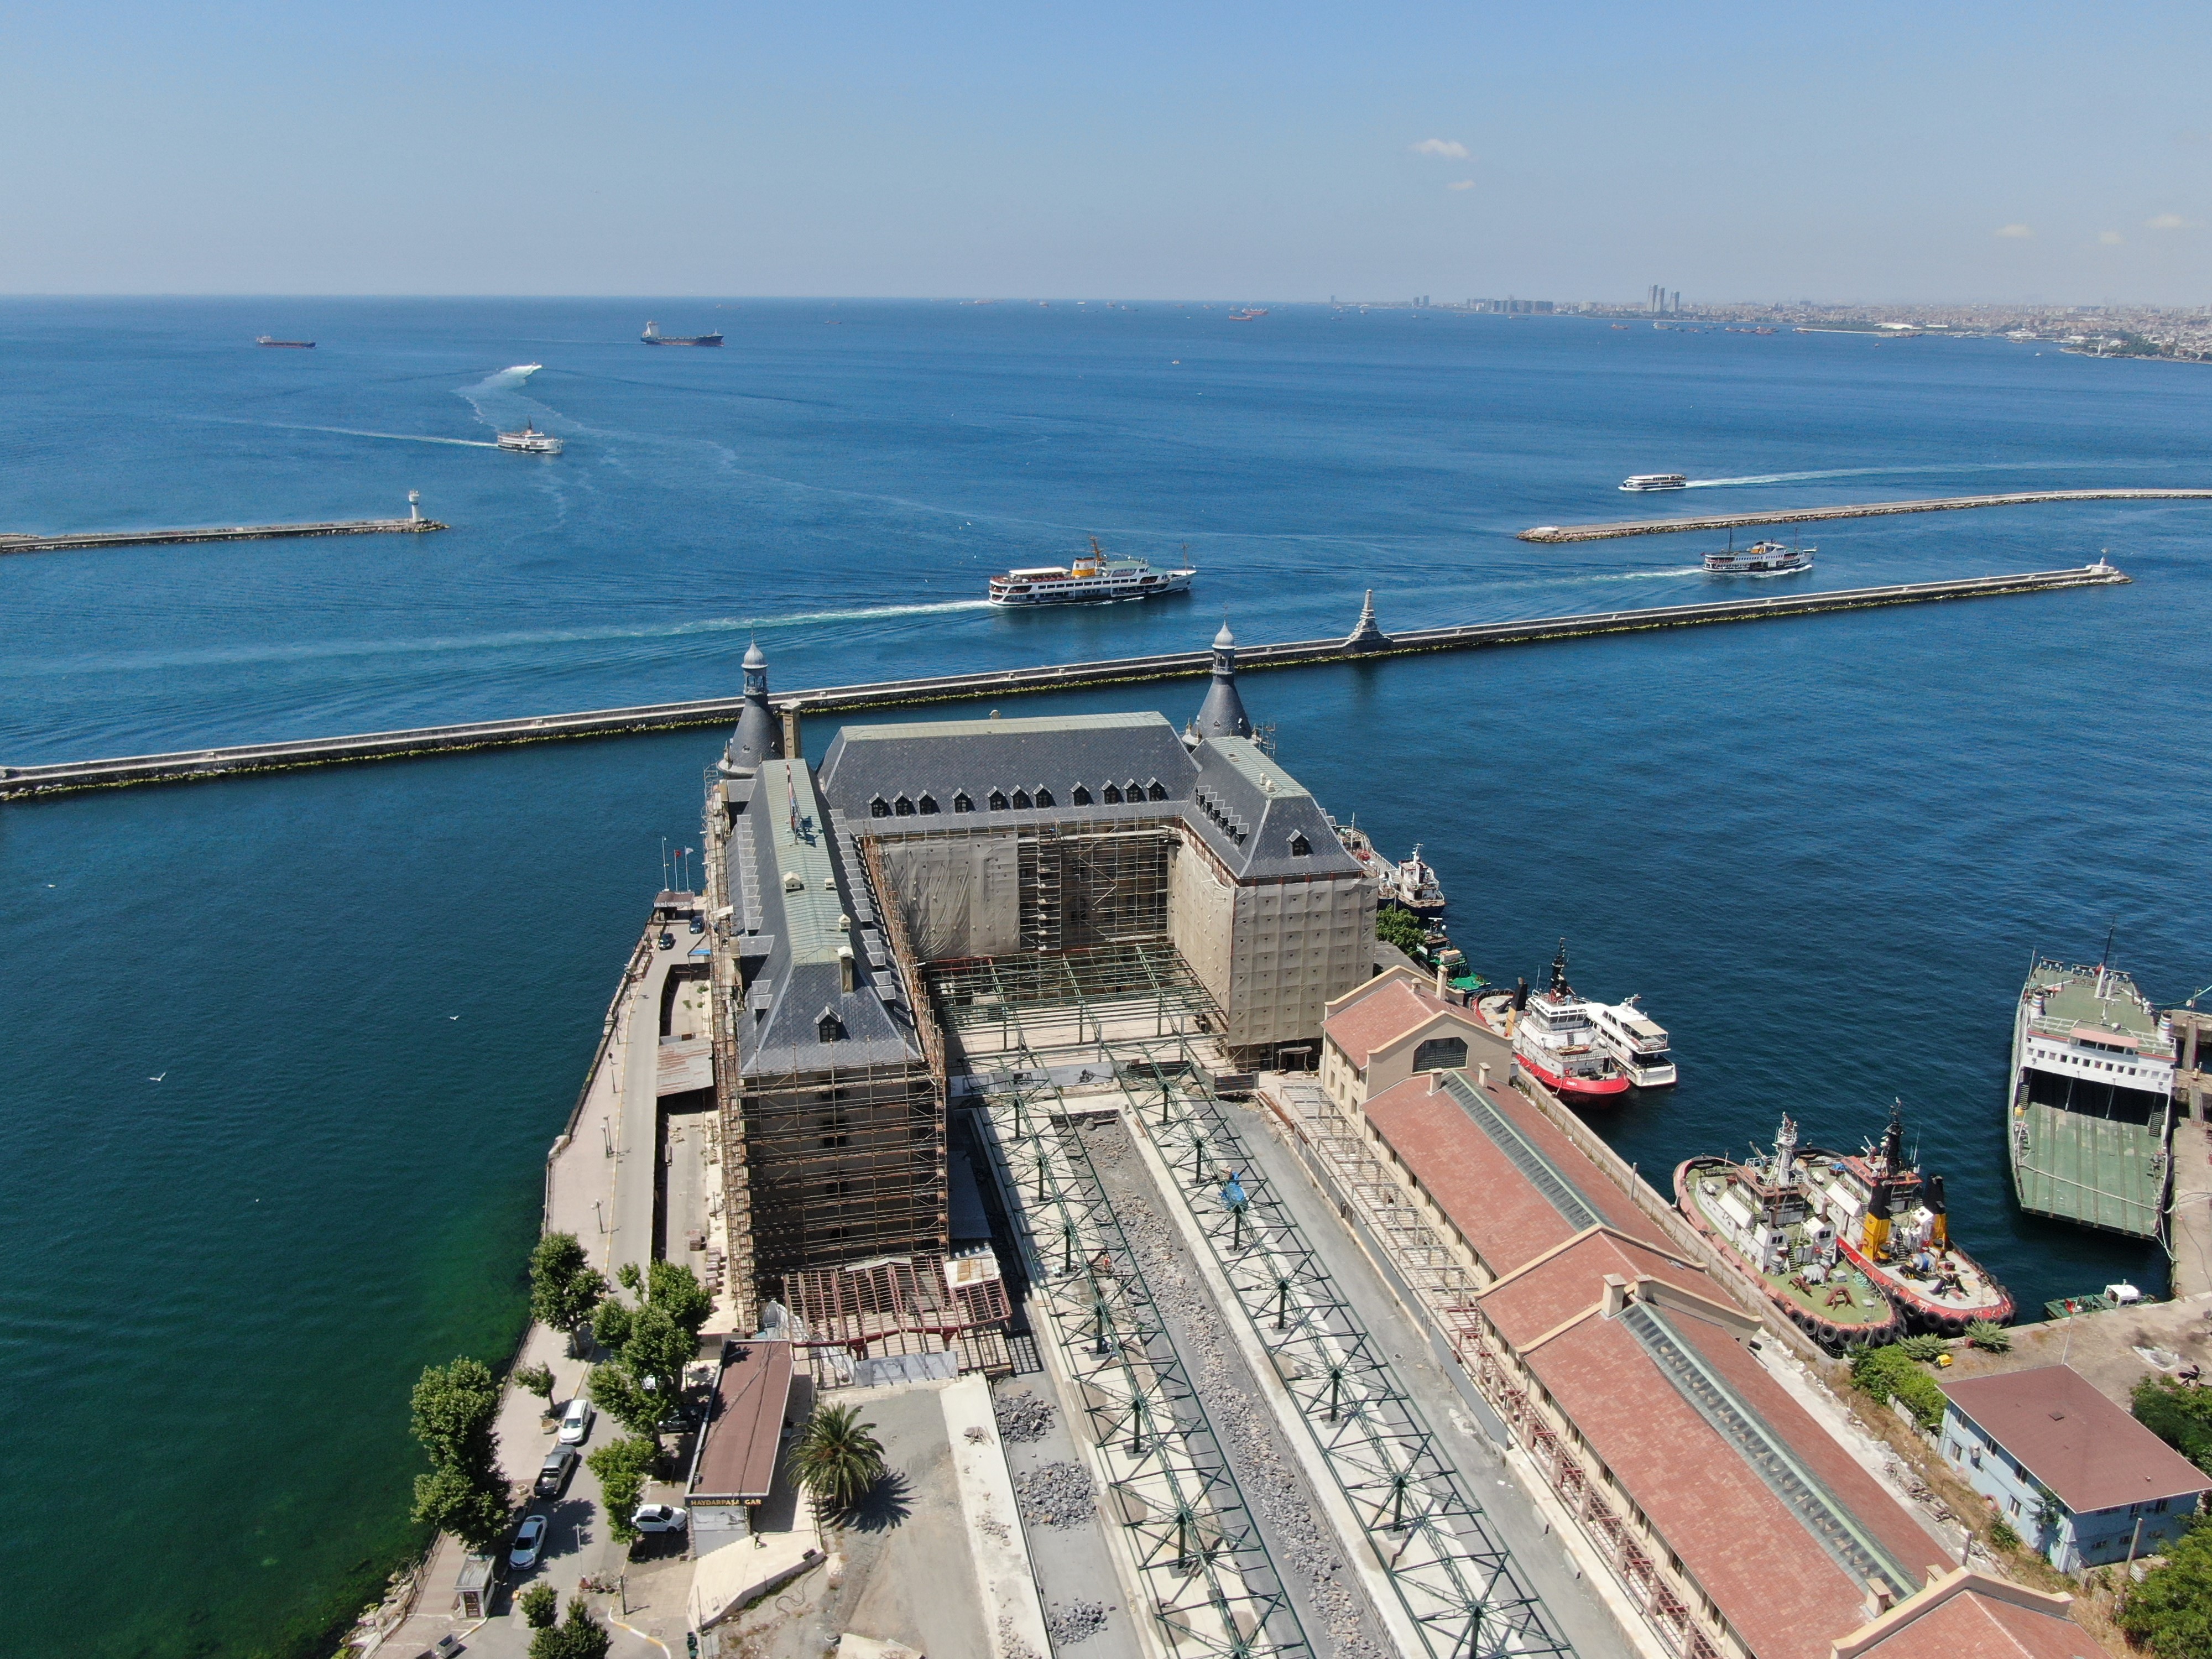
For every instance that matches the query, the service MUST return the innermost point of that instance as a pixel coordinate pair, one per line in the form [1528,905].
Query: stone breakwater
[1600,532]
[18,782]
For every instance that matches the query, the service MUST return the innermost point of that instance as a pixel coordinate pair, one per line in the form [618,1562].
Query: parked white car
[659,1517]
[576,1422]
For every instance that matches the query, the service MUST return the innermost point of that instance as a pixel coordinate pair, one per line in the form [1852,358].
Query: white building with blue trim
[2074,1475]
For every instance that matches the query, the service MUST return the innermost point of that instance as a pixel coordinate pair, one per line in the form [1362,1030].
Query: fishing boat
[1092,578]
[1761,1213]
[1891,1224]
[2090,1113]
[1413,885]
[1637,1041]
[1760,559]
[530,441]
[1554,1040]
[653,336]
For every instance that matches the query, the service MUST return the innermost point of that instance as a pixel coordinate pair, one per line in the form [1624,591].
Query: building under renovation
[867,922]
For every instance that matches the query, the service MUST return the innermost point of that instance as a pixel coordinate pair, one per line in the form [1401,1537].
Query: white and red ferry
[1554,1038]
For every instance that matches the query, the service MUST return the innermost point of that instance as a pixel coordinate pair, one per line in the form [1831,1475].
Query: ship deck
[2070,999]
[2092,1169]
[1866,1306]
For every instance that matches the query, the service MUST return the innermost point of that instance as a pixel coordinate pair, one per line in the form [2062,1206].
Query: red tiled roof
[1375,1022]
[2094,1456]
[1505,1218]
[1971,1626]
[736,1454]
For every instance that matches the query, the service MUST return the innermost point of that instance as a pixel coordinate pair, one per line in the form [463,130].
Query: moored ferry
[1891,1223]
[1657,481]
[1093,578]
[1637,1042]
[1552,1038]
[530,441]
[2090,1111]
[1762,1214]
[1760,559]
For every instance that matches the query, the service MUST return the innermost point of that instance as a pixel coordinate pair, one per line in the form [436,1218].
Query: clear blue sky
[1757,151]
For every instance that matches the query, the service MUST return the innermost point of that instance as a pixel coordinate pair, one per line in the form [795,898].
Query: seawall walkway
[1599,532]
[23,782]
[238,532]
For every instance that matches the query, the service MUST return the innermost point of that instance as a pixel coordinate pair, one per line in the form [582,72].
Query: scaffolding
[1070,1002]
[894,1305]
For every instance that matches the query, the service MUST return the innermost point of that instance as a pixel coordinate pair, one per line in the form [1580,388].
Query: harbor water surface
[285,1054]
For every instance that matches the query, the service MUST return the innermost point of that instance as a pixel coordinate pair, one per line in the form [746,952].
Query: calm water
[1822,850]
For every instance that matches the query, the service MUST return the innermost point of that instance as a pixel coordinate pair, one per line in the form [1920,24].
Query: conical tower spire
[1222,715]
[759,736]
[1365,635]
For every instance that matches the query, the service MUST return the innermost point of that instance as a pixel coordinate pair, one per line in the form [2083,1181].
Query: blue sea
[284,1054]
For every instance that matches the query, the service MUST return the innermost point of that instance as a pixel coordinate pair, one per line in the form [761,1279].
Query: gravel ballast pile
[1056,1495]
[1022,1418]
[1078,1621]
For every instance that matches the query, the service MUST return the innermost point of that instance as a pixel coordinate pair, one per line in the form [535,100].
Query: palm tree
[836,1458]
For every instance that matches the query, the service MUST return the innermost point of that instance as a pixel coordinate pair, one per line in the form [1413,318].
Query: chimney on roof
[1482,1074]
[1618,1293]
[845,966]
[1880,1598]
[1436,1080]
[791,748]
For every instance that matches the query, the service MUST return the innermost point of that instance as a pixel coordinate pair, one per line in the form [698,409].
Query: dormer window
[1113,796]
[1132,791]
[1157,791]
[929,805]
[879,808]
[962,804]
[1021,800]
[829,1027]
[1081,797]
[1301,848]
[902,807]
[998,801]
[1044,798]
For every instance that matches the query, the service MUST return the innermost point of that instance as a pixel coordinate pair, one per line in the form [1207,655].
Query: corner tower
[759,736]
[1222,715]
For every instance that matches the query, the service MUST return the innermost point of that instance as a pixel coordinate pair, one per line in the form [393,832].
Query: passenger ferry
[1760,559]
[530,441]
[1553,1038]
[1891,1224]
[1637,1041]
[1657,481]
[1762,1214]
[2090,1111]
[1093,579]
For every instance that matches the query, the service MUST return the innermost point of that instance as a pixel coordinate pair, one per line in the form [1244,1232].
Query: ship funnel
[1558,985]
[1875,1239]
[1520,996]
[1939,1226]
[1892,1142]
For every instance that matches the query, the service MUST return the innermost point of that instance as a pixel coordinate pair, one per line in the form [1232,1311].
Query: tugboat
[1891,1224]
[1413,885]
[1093,578]
[1764,1216]
[1637,1041]
[529,441]
[1553,1038]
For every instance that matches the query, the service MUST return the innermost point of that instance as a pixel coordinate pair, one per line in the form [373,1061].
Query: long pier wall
[21,782]
[1599,532]
[240,533]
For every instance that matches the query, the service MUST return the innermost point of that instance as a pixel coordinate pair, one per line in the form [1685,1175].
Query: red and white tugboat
[1555,1043]
[1891,1224]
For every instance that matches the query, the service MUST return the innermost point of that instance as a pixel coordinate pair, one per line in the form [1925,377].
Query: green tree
[2002,1535]
[540,1605]
[836,1458]
[617,1390]
[2170,1612]
[658,1349]
[1988,1333]
[580,1636]
[1401,928]
[623,1466]
[564,1286]
[676,1291]
[463,1503]
[1925,1348]
[455,1407]
[2179,1413]
[1887,1373]
[537,1379]
[611,1323]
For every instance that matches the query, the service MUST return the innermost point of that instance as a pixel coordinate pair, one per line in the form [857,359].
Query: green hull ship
[2090,1109]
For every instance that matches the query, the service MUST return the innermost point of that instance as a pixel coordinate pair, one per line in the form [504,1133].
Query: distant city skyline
[2059,155]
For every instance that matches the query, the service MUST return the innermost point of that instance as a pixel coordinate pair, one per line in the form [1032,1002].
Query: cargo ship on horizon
[653,336]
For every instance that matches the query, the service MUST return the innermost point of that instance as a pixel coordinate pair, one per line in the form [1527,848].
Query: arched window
[879,808]
[1044,798]
[902,807]
[1441,1054]
[962,804]
[1158,790]
[1081,797]
[998,801]
[1300,847]
[929,805]
[829,1027]
[1021,800]
[1113,796]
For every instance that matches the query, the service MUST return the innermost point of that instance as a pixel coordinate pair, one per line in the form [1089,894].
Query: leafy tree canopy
[623,1466]
[537,1379]
[455,1500]
[610,1324]
[564,1286]
[2179,1413]
[1888,1373]
[540,1605]
[659,1348]
[455,1407]
[1400,928]
[579,1636]
[676,1290]
[2170,1612]
[617,1390]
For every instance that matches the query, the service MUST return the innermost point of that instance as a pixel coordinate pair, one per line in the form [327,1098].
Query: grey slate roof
[782,831]
[1245,808]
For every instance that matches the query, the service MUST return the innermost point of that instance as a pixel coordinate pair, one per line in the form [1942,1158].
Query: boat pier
[1365,642]
[414,523]
[1600,532]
